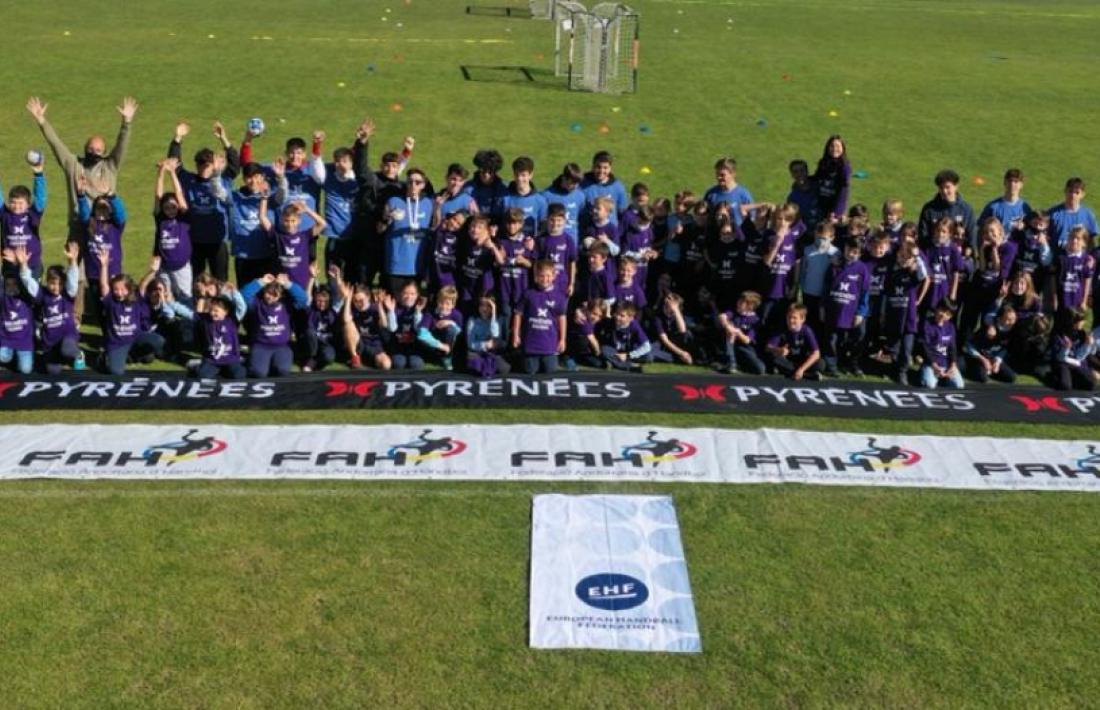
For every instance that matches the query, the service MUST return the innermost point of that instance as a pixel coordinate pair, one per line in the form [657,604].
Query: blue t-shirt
[339,202]
[407,234]
[1062,222]
[734,198]
[573,202]
[1006,212]
[533,205]
[612,188]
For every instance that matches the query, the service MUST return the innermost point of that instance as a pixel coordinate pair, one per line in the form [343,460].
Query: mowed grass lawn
[414,594]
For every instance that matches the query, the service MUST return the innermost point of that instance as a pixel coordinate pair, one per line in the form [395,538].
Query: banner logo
[656,451]
[1093,459]
[1034,404]
[713,393]
[612,592]
[885,458]
[425,449]
[186,448]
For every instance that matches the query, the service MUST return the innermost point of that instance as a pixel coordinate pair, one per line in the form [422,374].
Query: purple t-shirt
[124,321]
[539,332]
[293,253]
[990,279]
[623,340]
[774,280]
[562,251]
[800,343]
[172,243]
[879,268]
[441,271]
[105,235]
[474,275]
[726,259]
[58,317]
[220,343]
[745,322]
[848,284]
[943,262]
[902,289]
[369,325]
[21,230]
[269,324]
[599,284]
[939,342]
[630,293]
[17,326]
[513,277]
[1074,271]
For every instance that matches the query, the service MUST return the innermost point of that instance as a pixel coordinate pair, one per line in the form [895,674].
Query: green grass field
[415,594]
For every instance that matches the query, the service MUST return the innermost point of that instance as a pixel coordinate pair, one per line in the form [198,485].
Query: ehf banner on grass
[609,572]
[546,453]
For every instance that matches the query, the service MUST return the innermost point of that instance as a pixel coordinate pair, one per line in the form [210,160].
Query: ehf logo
[612,592]
[656,451]
[885,458]
[423,448]
[187,448]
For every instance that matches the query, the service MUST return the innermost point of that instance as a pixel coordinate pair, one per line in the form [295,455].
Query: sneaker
[79,363]
[812,376]
[356,362]
[310,365]
[570,364]
[725,370]
[448,363]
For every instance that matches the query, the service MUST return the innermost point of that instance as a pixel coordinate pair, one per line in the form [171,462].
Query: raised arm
[150,275]
[127,110]
[316,161]
[37,108]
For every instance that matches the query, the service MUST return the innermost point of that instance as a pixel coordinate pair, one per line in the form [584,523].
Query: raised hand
[267,278]
[219,132]
[421,303]
[278,166]
[128,108]
[103,257]
[72,251]
[388,302]
[365,130]
[37,109]
[409,144]
[182,129]
[318,136]
[171,164]
[8,255]
[154,264]
[283,280]
[313,269]
[334,273]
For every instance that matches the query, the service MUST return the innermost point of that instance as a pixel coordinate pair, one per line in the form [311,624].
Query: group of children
[487,276]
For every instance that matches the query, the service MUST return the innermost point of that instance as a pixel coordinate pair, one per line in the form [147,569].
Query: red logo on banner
[5,386]
[715,393]
[363,388]
[1034,404]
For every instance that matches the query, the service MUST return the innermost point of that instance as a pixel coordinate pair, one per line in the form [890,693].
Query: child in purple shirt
[623,343]
[476,257]
[995,257]
[364,327]
[20,219]
[944,262]
[291,245]
[17,323]
[441,268]
[906,286]
[557,247]
[739,328]
[846,304]
[172,232]
[59,338]
[271,300]
[439,329]
[583,347]
[628,287]
[514,258]
[538,325]
[217,326]
[672,339]
[599,278]
[777,262]
[938,346]
[1072,280]
[794,352]
[126,320]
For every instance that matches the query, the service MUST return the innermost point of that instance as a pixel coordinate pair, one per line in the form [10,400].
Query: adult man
[98,167]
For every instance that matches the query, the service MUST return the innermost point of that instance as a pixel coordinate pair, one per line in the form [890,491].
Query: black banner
[648,393]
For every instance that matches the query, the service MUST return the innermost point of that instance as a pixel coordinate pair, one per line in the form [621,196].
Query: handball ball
[256,126]
[34,157]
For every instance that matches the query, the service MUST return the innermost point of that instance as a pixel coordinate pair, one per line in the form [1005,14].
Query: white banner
[545,453]
[609,572]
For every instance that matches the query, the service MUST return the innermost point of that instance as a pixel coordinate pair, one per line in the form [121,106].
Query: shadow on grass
[518,75]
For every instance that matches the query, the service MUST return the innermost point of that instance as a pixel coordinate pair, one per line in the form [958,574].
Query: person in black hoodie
[947,203]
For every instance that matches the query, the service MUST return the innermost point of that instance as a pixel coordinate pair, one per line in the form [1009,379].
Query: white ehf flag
[609,572]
